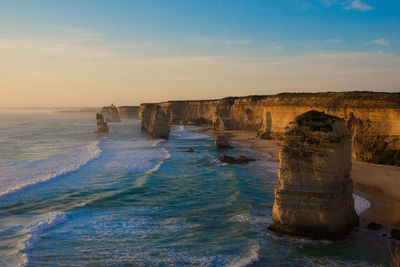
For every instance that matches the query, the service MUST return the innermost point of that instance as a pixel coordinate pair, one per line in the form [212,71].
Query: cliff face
[110,114]
[155,122]
[128,112]
[314,194]
[374,118]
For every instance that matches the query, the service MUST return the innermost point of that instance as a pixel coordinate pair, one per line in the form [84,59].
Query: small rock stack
[314,194]
[101,124]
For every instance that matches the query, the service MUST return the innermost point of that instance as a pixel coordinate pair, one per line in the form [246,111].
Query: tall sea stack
[314,194]
[155,122]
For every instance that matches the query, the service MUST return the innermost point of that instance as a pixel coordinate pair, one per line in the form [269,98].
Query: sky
[71,53]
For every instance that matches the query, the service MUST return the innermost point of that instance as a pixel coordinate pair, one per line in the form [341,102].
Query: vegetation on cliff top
[390,157]
[336,99]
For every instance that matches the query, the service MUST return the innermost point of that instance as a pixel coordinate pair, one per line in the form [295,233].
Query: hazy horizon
[93,53]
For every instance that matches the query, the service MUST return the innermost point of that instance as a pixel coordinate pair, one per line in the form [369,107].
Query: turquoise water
[72,197]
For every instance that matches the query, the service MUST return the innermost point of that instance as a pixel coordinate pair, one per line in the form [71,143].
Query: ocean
[73,197]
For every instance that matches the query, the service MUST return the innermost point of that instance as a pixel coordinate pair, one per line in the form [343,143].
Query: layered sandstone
[101,124]
[374,118]
[110,113]
[155,122]
[314,194]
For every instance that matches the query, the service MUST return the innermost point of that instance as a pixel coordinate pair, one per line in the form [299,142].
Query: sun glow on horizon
[166,54]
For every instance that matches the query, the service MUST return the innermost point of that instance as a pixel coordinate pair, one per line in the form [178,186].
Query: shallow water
[69,196]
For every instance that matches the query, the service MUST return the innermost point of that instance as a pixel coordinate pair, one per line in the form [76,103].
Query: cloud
[328,3]
[381,41]
[357,5]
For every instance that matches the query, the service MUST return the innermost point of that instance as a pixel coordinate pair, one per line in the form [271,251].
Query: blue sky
[76,41]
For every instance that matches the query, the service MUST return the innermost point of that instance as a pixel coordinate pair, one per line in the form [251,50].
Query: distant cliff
[110,113]
[373,118]
[128,112]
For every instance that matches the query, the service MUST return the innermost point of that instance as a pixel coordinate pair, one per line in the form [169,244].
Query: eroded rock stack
[101,124]
[314,194]
[110,113]
[155,122]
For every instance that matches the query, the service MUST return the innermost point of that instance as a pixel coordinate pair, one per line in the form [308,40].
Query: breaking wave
[21,174]
[31,235]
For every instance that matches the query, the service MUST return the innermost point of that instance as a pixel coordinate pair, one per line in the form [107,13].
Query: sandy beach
[379,184]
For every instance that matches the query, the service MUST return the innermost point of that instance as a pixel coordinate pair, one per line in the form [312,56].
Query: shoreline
[383,193]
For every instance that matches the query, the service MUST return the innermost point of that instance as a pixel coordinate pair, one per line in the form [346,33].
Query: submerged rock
[101,124]
[222,142]
[395,233]
[314,194]
[240,160]
[374,226]
[110,113]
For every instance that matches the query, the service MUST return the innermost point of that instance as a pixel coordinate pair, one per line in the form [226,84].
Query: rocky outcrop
[110,113]
[374,118]
[101,124]
[240,160]
[128,112]
[374,226]
[395,233]
[222,142]
[155,122]
[314,194]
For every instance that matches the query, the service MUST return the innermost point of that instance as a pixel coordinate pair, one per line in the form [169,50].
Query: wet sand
[379,184]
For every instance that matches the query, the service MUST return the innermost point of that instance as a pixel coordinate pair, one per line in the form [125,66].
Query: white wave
[31,235]
[24,173]
[156,142]
[253,219]
[251,257]
[188,132]
[158,165]
[17,260]
[39,225]
[82,205]
[360,204]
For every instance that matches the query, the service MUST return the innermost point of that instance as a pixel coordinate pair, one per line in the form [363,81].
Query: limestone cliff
[155,122]
[374,118]
[314,194]
[110,113]
[128,112]
[101,124]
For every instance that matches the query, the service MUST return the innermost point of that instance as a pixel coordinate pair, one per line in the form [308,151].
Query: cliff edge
[373,118]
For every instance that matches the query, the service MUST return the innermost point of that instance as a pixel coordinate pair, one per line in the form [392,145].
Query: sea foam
[158,165]
[31,235]
[21,174]
[360,204]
